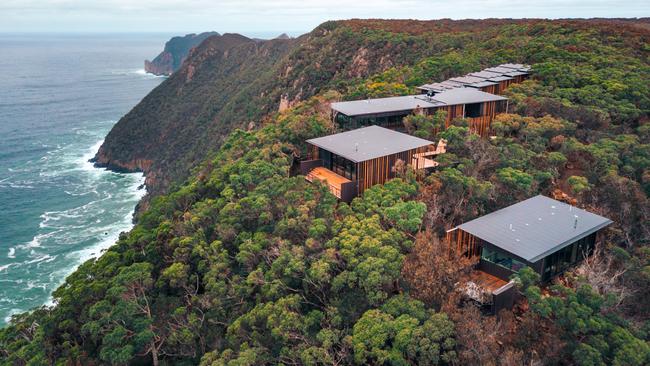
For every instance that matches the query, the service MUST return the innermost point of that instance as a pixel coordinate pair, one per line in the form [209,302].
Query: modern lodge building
[353,161]
[475,96]
[477,106]
[546,235]
[491,80]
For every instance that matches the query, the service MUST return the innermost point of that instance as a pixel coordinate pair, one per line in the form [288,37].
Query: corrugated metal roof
[382,105]
[466,79]
[408,103]
[437,87]
[520,67]
[515,73]
[534,228]
[465,96]
[499,70]
[368,143]
[451,83]
[482,84]
[500,78]
[485,74]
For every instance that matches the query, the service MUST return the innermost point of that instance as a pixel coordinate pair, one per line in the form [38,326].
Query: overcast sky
[292,16]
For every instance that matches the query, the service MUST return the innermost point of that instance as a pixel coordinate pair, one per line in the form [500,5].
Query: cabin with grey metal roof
[477,106]
[474,97]
[492,80]
[544,234]
[351,162]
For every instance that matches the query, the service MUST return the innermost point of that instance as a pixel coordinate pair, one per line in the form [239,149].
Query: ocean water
[59,97]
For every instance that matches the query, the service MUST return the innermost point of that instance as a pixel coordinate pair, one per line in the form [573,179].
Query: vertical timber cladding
[312,151]
[504,84]
[380,170]
[482,125]
[453,111]
[492,89]
[463,243]
[519,78]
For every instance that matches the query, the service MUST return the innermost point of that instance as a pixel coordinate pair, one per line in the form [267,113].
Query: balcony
[423,161]
[333,181]
[341,187]
[489,290]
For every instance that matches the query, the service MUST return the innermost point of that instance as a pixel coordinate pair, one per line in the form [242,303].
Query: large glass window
[473,110]
[559,261]
[343,121]
[338,164]
[326,156]
[392,122]
[501,259]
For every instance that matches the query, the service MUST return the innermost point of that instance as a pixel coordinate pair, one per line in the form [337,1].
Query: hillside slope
[243,264]
[231,81]
[173,127]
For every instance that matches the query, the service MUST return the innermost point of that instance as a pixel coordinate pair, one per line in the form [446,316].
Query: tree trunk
[154,354]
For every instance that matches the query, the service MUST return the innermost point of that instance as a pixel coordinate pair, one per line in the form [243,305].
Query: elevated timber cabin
[546,235]
[475,96]
[477,106]
[353,161]
[491,80]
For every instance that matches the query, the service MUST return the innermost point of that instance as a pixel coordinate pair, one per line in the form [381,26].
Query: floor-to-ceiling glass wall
[338,164]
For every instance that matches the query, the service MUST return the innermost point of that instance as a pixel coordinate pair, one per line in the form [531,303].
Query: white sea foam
[34,243]
[142,72]
[12,253]
[40,258]
[11,313]
[91,213]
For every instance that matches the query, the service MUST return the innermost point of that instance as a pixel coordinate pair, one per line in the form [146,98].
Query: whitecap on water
[5,267]
[79,227]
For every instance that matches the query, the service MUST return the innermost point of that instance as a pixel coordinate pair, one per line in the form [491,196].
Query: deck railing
[336,190]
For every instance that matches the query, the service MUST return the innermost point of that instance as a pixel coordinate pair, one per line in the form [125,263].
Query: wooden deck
[333,180]
[486,281]
[421,161]
[424,163]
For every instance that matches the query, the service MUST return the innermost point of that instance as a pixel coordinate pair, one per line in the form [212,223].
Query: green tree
[578,184]
[403,334]
[592,336]
[123,323]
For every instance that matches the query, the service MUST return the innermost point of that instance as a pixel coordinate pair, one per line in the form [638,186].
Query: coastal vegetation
[237,261]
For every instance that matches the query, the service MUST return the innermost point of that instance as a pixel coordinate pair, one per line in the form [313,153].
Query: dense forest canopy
[246,264]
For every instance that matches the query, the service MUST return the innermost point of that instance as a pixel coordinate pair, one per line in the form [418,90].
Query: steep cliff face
[190,113]
[174,53]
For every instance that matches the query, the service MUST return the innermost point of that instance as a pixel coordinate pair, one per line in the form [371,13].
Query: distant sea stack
[175,52]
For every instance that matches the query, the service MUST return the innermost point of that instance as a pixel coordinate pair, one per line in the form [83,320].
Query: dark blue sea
[59,97]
